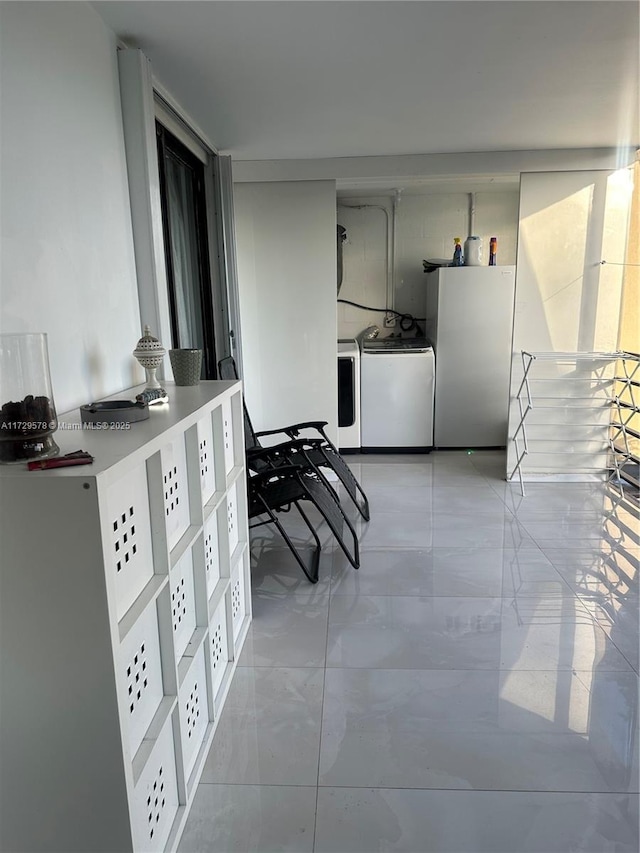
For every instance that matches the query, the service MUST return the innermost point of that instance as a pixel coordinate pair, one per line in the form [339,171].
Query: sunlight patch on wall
[557,240]
[630,312]
[619,194]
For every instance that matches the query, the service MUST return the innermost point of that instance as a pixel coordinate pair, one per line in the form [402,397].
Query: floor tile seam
[614,643]
[570,593]
[590,562]
[456,735]
[447,511]
[509,670]
[269,666]
[284,666]
[609,579]
[581,600]
[485,668]
[256,785]
[414,596]
[561,573]
[558,544]
[440,478]
[293,594]
[549,791]
[315,811]
[593,519]
[563,543]
[324,683]
[560,577]
[599,596]
[578,515]
[389,510]
[528,545]
[332,571]
[590,680]
[262,666]
[494,489]
[426,476]
[594,532]
[450,739]
[428,482]
[568,590]
[435,543]
[422,485]
[431,512]
[485,472]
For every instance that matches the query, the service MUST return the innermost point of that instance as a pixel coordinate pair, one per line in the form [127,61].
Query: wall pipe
[472,214]
[390,245]
[391,286]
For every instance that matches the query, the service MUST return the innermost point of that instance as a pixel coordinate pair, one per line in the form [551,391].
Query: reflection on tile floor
[473,688]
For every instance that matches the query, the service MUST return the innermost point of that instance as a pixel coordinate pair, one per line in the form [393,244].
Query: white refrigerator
[470,323]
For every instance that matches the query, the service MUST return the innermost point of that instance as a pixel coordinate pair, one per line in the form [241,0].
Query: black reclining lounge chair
[279,485]
[319,451]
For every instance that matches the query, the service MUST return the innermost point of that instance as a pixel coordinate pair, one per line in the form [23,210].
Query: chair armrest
[258,480]
[292,444]
[290,452]
[278,455]
[262,454]
[294,429]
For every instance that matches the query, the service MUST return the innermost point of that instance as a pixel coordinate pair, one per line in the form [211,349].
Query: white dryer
[348,395]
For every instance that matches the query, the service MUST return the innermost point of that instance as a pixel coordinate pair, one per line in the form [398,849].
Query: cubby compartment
[141,676]
[183,610]
[206,458]
[128,548]
[227,434]
[212,557]
[193,710]
[155,797]
[238,597]
[233,525]
[175,490]
[218,648]
[237,417]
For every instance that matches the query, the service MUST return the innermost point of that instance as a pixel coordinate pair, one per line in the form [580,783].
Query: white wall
[425,227]
[67,263]
[354,171]
[286,245]
[567,301]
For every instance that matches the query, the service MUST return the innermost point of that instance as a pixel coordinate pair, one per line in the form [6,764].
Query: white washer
[348,395]
[397,392]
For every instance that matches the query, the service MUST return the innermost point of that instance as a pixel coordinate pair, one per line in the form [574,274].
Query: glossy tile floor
[473,688]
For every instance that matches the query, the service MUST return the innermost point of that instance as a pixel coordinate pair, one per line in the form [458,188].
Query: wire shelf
[574,356]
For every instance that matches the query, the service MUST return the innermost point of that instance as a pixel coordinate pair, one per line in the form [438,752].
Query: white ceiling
[279,80]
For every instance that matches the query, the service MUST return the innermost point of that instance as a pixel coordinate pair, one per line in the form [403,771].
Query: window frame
[170,145]
[143,100]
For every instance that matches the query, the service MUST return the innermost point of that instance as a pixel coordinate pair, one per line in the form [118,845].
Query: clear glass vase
[27,411]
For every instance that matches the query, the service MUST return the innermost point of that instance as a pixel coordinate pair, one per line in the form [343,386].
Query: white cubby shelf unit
[124,604]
